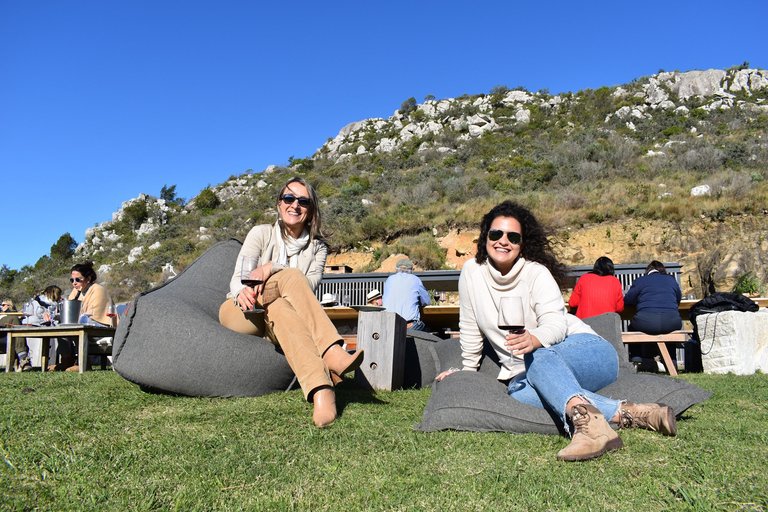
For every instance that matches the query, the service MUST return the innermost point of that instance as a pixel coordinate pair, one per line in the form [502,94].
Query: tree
[64,248]
[408,106]
[168,194]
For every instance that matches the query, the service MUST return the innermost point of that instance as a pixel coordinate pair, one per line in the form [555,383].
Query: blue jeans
[418,325]
[578,366]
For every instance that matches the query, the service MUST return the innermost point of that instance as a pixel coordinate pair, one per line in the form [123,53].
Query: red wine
[251,282]
[110,315]
[513,329]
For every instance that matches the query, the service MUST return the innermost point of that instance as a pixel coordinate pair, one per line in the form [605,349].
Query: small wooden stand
[382,335]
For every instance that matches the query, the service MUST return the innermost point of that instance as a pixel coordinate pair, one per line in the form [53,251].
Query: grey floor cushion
[476,401]
[171,340]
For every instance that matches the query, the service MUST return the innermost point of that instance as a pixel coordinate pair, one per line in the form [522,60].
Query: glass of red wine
[111,311]
[250,275]
[511,317]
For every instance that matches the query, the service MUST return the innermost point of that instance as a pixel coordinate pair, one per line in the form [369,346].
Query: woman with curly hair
[556,362]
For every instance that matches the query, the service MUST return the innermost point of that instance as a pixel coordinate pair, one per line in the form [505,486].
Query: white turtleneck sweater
[480,289]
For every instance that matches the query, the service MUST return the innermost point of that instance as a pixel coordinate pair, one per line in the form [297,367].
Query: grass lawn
[96,442]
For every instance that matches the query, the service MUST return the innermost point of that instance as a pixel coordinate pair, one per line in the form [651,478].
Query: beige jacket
[311,260]
[96,297]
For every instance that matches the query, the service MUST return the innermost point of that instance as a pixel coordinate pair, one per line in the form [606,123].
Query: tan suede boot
[657,417]
[339,361]
[593,435]
[65,362]
[325,406]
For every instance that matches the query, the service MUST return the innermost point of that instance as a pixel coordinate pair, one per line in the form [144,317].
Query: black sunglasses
[76,279]
[288,199]
[514,237]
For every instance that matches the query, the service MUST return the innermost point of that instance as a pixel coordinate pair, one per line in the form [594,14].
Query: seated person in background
[657,296]
[598,291]
[404,293]
[42,305]
[6,307]
[22,351]
[95,303]
[373,298]
[40,309]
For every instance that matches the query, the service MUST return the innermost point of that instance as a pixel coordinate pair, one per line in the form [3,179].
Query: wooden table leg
[667,359]
[10,353]
[82,351]
[45,347]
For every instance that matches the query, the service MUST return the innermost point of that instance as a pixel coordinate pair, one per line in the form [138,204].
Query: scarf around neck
[288,249]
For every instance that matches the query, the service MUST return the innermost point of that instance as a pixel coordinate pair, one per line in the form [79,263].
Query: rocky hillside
[670,167]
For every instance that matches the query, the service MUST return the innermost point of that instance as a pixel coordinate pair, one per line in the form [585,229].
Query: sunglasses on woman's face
[74,280]
[289,199]
[514,237]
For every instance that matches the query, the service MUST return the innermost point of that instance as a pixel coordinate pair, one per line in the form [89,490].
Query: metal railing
[357,286]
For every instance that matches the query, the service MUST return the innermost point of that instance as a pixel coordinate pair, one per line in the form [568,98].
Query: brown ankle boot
[593,435]
[65,362]
[339,361]
[657,417]
[325,406]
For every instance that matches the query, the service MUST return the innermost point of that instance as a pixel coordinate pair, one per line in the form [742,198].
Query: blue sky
[104,100]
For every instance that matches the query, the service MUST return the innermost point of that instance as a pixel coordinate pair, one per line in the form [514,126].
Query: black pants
[654,322]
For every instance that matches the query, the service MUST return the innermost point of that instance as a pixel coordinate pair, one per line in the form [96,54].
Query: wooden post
[382,335]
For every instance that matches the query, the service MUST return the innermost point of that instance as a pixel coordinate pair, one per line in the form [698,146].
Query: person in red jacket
[598,291]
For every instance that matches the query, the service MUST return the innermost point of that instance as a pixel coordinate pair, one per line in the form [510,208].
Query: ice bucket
[70,312]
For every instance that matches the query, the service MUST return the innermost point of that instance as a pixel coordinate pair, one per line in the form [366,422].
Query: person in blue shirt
[404,293]
[656,296]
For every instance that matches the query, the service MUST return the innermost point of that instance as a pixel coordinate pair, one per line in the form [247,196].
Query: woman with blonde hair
[292,259]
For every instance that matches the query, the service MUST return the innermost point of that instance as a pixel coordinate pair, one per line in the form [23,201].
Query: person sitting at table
[22,351]
[657,296]
[373,298]
[404,293]
[42,304]
[556,362]
[598,291]
[38,314]
[292,258]
[95,301]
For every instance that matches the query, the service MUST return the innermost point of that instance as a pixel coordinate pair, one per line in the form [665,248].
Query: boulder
[734,342]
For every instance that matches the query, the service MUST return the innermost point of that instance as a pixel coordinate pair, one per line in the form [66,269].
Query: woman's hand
[247,296]
[446,373]
[519,344]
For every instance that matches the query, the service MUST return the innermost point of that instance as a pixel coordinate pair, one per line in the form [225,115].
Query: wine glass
[249,275]
[52,312]
[111,312]
[511,315]
[26,312]
[511,318]
[345,300]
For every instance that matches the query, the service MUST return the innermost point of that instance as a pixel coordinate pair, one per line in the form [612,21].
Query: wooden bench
[660,340]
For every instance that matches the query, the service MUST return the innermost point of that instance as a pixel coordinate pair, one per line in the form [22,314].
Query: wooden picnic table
[82,332]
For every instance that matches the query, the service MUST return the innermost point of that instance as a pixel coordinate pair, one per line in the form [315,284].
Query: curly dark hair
[86,270]
[536,245]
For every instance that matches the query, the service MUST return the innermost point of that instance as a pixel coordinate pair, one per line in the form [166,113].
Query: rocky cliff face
[721,89]
[713,254]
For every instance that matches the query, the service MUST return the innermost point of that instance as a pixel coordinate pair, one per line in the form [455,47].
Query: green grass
[96,442]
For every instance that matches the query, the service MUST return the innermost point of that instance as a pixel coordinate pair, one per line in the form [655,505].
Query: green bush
[207,200]
[748,283]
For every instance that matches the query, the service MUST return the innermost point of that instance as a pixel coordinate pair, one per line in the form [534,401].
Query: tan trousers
[295,321]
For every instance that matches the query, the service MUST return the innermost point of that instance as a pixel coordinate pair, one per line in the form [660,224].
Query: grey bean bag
[476,401]
[171,340]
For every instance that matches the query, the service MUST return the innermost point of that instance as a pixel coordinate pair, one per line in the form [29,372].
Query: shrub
[748,283]
[408,106]
[207,200]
